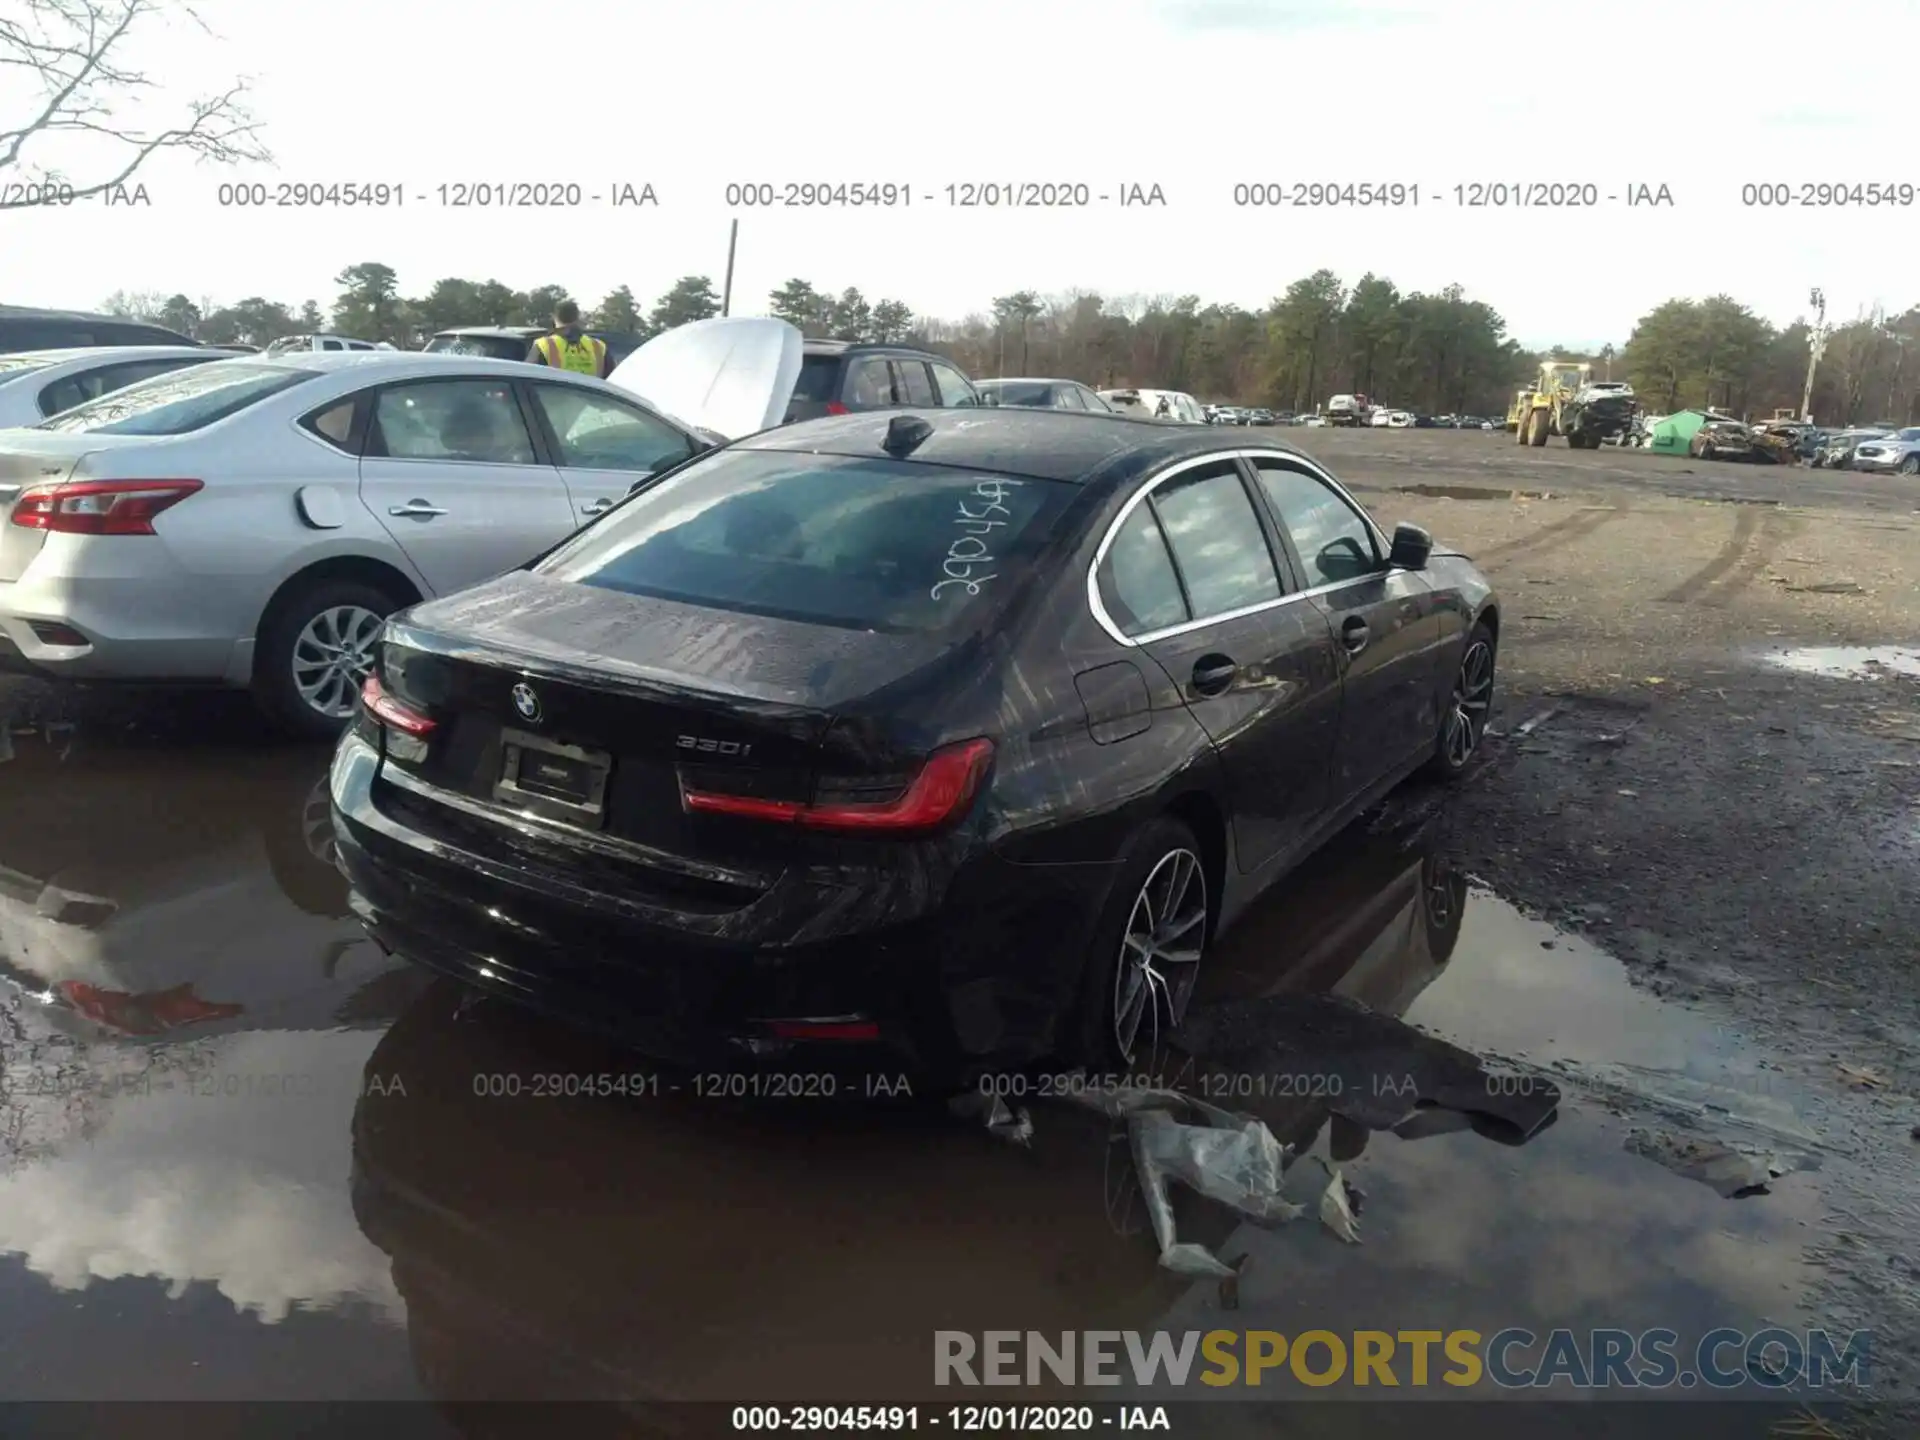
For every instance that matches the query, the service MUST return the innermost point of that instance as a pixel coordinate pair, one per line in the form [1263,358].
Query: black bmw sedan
[947,741]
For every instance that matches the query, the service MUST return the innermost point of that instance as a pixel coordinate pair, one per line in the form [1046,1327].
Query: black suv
[841,376]
[25,328]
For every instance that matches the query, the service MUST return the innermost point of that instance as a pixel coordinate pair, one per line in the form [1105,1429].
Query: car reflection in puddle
[659,1246]
[179,891]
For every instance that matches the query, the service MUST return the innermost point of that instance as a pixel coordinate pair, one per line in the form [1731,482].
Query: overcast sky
[1702,96]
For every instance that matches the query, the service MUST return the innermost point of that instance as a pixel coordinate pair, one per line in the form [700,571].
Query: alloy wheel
[1160,951]
[316,823]
[333,657]
[1472,694]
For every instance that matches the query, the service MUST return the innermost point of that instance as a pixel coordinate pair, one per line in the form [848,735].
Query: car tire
[1910,465]
[1164,858]
[1456,750]
[303,620]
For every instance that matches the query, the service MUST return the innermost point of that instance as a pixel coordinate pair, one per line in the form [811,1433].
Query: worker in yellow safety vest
[569,347]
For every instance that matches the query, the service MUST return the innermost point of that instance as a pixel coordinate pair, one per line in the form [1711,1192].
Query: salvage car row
[945,732]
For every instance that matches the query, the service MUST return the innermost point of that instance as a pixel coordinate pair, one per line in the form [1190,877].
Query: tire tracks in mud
[1559,534]
[1756,538]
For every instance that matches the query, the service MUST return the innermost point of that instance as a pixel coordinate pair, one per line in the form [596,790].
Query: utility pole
[1816,347]
[1606,354]
[1900,343]
[726,292]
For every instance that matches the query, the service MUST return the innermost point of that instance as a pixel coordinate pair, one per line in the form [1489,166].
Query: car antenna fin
[905,434]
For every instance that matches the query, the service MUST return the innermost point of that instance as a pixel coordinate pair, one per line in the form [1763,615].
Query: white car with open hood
[252,522]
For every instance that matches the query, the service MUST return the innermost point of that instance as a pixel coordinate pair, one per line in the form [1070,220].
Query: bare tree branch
[72,49]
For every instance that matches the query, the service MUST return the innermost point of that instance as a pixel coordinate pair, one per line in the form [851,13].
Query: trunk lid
[732,376]
[593,708]
[29,458]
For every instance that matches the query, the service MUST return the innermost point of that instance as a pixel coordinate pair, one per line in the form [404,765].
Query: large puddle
[1850,662]
[247,1157]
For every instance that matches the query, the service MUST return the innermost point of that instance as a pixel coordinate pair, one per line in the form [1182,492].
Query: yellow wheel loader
[1522,398]
[1566,400]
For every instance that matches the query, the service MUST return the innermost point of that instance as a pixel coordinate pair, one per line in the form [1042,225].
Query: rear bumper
[137,628]
[976,976]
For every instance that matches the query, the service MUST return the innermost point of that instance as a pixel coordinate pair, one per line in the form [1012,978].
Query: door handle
[597,507]
[415,510]
[1212,674]
[1354,634]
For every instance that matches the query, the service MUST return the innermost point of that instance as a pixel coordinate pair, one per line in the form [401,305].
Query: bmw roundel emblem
[526,702]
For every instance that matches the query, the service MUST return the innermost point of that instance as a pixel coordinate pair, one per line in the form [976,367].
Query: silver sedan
[252,522]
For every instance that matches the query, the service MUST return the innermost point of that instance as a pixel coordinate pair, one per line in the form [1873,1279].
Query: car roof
[117,353]
[1027,380]
[848,347]
[1066,445]
[511,332]
[34,312]
[399,364]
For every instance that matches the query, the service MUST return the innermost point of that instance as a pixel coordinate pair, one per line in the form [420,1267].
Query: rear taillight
[942,791]
[850,1029]
[99,507]
[834,407]
[391,713]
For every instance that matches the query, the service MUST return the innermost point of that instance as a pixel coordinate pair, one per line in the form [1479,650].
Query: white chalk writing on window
[980,514]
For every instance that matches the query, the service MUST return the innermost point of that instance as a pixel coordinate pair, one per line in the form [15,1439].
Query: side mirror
[1411,547]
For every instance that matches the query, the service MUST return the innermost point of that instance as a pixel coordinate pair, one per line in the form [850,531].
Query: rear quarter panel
[1063,795]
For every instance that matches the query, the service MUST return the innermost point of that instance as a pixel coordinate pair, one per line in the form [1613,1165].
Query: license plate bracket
[553,780]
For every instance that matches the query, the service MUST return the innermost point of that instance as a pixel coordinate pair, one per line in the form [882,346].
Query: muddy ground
[1746,836]
[1724,822]
[1695,867]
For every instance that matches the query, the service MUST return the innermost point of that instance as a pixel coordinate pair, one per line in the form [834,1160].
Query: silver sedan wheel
[316,823]
[333,657]
[1472,693]
[1160,950]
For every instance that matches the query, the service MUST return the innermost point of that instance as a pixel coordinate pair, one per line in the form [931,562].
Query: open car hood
[734,376]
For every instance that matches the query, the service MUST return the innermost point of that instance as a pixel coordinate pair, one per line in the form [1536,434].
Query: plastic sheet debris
[1173,1136]
[1236,1160]
[1000,1120]
[1371,1068]
[1732,1173]
[1338,1211]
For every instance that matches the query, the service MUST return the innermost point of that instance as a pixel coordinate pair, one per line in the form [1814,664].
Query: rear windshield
[492,347]
[818,374]
[833,540]
[183,400]
[1041,395]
